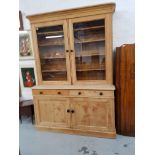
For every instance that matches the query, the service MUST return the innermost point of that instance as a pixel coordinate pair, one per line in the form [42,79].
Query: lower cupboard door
[52,112]
[93,114]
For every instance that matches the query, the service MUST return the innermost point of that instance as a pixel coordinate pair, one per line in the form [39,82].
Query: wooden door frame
[110,111]
[36,51]
[50,98]
[108,48]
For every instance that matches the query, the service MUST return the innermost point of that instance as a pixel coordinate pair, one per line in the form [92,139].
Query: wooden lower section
[84,112]
[105,134]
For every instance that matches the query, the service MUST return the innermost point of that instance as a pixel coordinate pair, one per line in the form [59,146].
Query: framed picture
[25,45]
[21,27]
[28,77]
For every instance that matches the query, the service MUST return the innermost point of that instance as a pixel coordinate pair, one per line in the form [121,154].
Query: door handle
[72,111]
[68,110]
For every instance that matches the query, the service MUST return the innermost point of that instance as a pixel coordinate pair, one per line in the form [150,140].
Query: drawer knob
[72,111]
[68,110]
[79,93]
[41,92]
[101,93]
[59,92]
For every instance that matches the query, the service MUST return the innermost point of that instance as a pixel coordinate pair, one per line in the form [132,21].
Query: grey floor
[33,142]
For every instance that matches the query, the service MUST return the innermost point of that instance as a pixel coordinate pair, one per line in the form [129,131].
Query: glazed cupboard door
[92,114]
[52,112]
[90,52]
[52,56]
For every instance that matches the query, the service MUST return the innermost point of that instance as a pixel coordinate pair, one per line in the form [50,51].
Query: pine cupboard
[73,56]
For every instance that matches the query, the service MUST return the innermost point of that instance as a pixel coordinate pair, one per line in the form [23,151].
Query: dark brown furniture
[21,27]
[26,108]
[125,89]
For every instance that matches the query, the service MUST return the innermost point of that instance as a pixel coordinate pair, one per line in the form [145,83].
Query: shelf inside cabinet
[46,78]
[91,75]
[88,67]
[44,58]
[86,70]
[51,42]
[89,39]
[54,57]
[89,53]
[53,70]
[53,67]
[52,76]
[89,28]
[48,33]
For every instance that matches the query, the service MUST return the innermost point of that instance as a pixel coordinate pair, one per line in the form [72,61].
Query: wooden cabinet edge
[73,13]
[98,134]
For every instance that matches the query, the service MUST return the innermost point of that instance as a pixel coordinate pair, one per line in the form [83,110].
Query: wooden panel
[52,112]
[125,90]
[93,114]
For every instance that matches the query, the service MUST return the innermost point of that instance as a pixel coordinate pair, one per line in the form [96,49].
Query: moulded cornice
[73,13]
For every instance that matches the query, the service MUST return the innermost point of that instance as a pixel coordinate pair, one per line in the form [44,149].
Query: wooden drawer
[91,93]
[50,92]
[75,93]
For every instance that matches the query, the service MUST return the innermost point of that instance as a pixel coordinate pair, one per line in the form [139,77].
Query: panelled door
[52,112]
[92,114]
[52,55]
[90,52]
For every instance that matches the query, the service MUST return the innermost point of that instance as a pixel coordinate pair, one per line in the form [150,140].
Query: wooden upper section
[73,13]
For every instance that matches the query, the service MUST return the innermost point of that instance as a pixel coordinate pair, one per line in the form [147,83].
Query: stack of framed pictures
[27,72]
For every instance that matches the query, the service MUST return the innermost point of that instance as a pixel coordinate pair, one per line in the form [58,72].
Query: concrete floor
[33,142]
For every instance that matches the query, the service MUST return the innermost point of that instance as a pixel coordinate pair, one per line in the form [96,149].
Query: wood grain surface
[125,89]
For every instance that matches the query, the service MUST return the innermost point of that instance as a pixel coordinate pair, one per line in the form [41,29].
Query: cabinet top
[85,87]
[72,13]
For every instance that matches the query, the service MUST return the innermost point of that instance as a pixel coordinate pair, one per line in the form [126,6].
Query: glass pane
[89,44]
[52,53]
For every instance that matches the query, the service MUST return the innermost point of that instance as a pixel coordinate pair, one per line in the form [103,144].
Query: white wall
[123,18]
